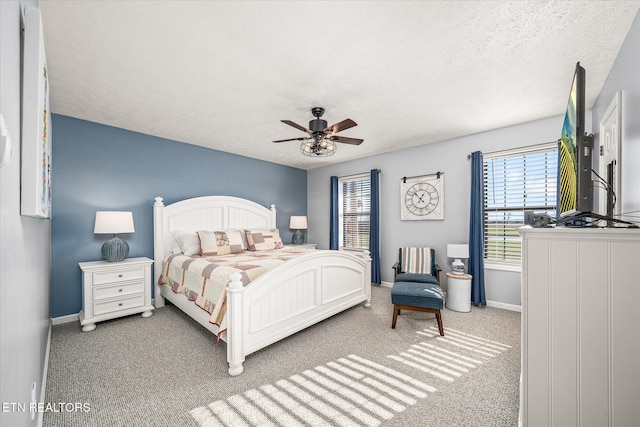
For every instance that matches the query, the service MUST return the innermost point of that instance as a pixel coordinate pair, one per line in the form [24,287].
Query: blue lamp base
[115,249]
[298,238]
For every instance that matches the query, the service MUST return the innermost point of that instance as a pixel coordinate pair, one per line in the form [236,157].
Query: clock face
[421,198]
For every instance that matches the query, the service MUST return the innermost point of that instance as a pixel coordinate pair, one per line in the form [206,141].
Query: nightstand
[115,289]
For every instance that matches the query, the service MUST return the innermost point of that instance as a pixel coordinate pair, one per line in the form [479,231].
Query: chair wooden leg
[439,319]
[396,310]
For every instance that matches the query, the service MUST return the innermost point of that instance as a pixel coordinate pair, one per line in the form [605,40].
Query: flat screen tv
[575,185]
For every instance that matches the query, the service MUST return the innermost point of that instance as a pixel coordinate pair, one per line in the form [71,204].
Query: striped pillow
[417,260]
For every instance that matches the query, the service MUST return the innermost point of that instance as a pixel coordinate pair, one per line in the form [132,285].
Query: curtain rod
[405,178]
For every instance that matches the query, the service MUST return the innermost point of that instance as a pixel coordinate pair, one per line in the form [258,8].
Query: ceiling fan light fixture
[317,147]
[321,139]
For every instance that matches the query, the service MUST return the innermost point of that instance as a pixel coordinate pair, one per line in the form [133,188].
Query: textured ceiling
[222,74]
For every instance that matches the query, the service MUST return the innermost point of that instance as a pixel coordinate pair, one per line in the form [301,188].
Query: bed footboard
[280,303]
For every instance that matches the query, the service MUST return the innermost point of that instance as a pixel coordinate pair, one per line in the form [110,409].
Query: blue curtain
[476,231]
[334,221]
[374,227]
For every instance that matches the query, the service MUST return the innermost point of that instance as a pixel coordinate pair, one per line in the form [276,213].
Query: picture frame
[36,121]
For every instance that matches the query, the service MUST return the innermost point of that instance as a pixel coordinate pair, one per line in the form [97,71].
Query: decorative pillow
[219,243]
[188,244]
[263,239]
[417,260]
[237,235]
[236,241]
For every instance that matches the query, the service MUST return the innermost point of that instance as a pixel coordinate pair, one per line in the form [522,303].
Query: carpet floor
[349,370]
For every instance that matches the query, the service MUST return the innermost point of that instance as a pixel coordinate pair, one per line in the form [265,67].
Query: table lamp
[298,223]
[114,222]
[457,252]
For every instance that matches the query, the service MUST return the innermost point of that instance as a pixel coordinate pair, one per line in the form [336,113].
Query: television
[575,151]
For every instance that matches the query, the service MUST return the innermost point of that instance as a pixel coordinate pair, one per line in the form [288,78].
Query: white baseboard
[65,319]
[76,317]
[504,306]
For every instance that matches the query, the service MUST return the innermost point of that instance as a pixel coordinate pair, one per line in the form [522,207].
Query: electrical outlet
[34,401]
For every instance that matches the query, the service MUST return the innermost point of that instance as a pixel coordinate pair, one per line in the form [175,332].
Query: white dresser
[580,327]
[115,289]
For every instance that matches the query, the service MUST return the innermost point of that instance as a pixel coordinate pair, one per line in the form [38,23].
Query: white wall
[625,77]
[24,251]
[449,157]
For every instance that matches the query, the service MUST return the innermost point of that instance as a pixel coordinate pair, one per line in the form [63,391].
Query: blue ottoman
[416,296]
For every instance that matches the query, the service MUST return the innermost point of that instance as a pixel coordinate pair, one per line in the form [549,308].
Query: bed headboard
[204,213]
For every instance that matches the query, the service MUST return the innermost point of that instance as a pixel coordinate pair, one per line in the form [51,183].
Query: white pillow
[188,243]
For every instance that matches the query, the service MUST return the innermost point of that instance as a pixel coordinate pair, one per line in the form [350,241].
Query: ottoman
[416,296]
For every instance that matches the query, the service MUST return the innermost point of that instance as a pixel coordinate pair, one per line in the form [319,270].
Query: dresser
[115,289]
[580,327]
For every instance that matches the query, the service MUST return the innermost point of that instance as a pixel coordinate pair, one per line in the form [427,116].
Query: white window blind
[355,209]
[515,181]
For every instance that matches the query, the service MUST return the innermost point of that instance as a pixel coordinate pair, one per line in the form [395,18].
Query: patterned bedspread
[203,280]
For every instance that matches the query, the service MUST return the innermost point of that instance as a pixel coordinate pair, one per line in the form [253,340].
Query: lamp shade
[458,251]
[113,222]
[298,223]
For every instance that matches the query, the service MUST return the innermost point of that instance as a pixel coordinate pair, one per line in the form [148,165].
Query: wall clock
[422,197]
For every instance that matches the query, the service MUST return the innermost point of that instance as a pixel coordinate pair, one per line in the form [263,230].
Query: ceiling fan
[321,138]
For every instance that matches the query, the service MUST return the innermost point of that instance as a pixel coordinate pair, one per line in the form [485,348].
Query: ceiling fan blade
[297,126]
[338,127]
[290,139]
[346,140]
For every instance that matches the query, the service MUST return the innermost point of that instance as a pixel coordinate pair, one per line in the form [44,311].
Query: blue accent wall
[98,167]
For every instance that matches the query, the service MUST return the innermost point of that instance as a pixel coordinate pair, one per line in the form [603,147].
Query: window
[515,181]
[354,193]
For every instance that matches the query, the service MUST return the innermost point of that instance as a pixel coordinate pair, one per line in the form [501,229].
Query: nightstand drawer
[121,275]
[121,289]
[119,304]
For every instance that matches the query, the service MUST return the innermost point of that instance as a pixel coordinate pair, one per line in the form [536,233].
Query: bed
[300,292]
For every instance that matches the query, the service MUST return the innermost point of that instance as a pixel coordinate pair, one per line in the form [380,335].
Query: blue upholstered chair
[416,284]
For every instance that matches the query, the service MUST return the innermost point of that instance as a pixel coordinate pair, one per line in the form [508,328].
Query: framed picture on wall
[422,197]
[36,121]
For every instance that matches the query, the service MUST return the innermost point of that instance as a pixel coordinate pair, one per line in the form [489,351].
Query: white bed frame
[308,289]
